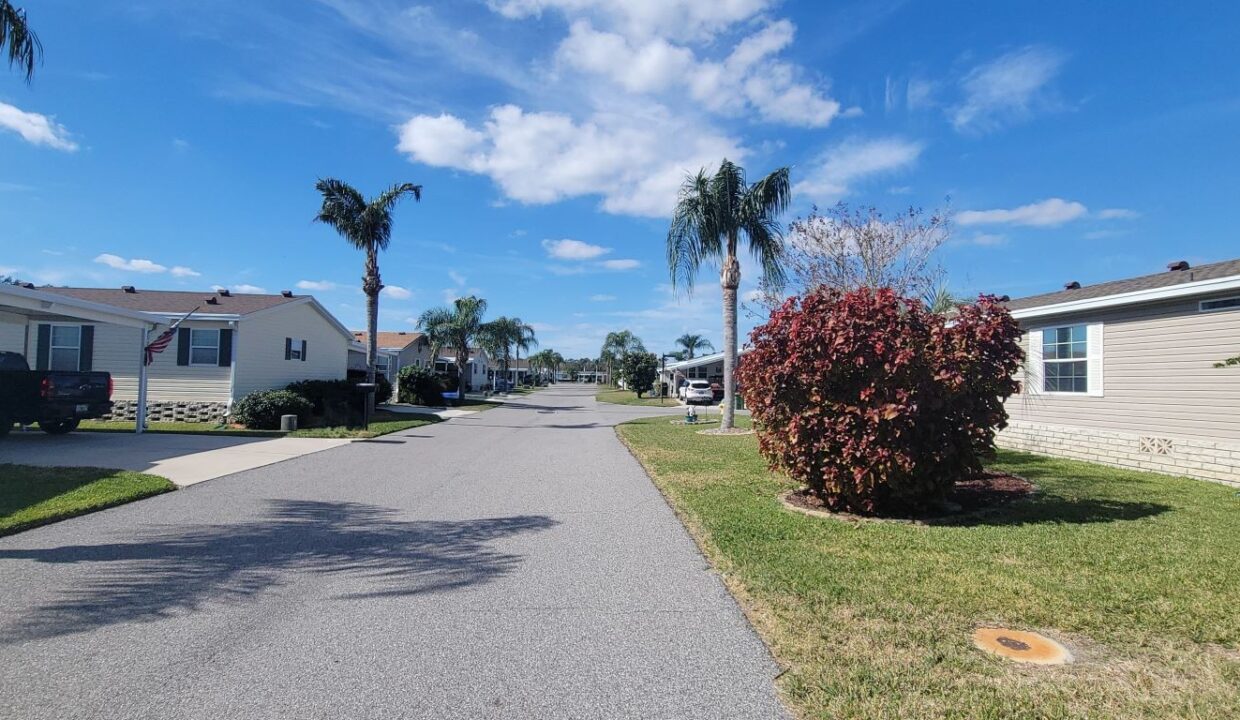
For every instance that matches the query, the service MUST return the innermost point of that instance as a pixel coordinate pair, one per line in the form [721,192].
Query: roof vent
[1072,285]
[129,288]
[402,332]
[286,293]
[1005,298]
[211,300]
[1177,265]
[28,286]
[224,292]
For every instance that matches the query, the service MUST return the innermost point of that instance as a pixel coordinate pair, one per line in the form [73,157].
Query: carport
[21,305]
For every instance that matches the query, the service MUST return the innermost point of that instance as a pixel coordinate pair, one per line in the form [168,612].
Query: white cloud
[853,160]
[689,19]
[250,289]
[634,160]
[1047,213]
[988,239]
[1008,89]
[397,292]
[182,271]
[444,141]
[625,264]
[602,298]
[573,249]
[748,79]
[316,285]
[456,277]
[135,265]
[1118,214]
[36,129]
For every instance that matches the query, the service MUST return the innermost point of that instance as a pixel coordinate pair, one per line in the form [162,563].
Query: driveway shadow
[179,571]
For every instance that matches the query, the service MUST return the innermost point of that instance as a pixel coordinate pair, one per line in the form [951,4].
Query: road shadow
[178,571]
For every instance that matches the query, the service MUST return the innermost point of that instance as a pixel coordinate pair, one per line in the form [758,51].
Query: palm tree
[367,226]
[23,46]
[615,346]
[504,335]
[456,327]
[693,343]
[941,301]
[711,214]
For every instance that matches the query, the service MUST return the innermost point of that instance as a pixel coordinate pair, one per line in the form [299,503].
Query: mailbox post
[368,389]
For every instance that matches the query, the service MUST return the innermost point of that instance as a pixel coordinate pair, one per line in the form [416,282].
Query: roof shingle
[386,339]
[1167,278]
[174,301]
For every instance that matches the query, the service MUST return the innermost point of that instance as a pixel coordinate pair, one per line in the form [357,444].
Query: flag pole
[140,420]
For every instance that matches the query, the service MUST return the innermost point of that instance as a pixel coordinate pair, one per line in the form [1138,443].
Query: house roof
[1165,279]
[393,339]
[174,301]
[702,360]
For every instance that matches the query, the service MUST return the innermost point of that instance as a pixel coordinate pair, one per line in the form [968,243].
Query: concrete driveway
[183,459]
[516,563]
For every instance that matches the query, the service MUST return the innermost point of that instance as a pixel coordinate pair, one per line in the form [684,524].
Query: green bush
[262,410]
[420,386]
[383,392]
[639,370]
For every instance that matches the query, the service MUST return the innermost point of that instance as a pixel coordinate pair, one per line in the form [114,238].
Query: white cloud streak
[573,249]
[1051,212]
[139,265]
[316,285]
[36,129]
[1007,90]
[852,161]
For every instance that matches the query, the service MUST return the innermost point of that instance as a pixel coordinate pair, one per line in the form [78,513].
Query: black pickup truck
[56,399]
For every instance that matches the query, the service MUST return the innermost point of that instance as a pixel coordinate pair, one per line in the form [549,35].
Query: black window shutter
[43,355]
[183,346]
[225,347]
[288,348]
[86,352]
[303,350]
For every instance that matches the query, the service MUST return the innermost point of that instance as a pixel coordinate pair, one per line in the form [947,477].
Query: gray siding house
[1123,373]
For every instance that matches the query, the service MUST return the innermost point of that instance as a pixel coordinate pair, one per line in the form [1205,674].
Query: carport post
[140,421]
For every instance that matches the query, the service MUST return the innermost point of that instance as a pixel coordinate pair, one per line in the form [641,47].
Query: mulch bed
[988,491]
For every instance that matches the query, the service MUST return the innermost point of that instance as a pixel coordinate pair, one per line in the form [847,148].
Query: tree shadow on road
[177,572]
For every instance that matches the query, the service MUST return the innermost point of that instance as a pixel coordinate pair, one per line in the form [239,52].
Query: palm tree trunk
[371,285]
[730,279]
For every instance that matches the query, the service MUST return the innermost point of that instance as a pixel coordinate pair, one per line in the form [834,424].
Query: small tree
[874,403]
[639,370]
[846,248]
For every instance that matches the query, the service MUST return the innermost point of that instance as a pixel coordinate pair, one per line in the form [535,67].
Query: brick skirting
[1205,460]
[161,411]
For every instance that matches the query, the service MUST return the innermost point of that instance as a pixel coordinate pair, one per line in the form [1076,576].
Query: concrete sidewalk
[183,459]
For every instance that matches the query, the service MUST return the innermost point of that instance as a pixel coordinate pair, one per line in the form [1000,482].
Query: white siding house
[232,345]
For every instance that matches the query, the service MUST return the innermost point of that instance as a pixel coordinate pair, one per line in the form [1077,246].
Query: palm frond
[18,40]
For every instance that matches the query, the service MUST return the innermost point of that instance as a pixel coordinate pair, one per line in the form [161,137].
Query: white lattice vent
[1156,445]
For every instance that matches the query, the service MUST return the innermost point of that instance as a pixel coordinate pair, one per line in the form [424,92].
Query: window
[295,348]
[1065,359]
[66,347]
[204,347]
[1230,303]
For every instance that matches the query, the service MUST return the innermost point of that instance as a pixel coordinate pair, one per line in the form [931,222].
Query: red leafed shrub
[876,404]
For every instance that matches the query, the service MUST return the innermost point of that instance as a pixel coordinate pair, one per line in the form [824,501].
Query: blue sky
[175,144]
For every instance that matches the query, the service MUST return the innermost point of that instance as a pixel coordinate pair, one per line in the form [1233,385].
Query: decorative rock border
[731,432]
[166,411]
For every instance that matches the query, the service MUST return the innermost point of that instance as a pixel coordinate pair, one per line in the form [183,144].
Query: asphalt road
[516,563]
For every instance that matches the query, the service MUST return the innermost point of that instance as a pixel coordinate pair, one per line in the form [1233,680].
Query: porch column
[140,420]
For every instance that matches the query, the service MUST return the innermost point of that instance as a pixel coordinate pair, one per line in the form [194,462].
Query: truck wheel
[58,427]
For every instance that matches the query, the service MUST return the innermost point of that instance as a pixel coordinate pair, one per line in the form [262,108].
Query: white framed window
[1230,303]
[204,346]
[1065,360]
[65,349]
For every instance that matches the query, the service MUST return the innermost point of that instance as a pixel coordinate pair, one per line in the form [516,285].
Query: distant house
[1123,372]
[478,369]
[409,348]
[385,361]
[232,345]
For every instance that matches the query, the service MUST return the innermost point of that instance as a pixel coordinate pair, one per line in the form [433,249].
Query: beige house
[1123,373]
[232,345]
[406,347]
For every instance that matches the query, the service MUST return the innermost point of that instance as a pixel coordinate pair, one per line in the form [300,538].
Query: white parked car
[698,391]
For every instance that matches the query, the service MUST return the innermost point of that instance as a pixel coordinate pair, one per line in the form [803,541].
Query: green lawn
[627,397]
[381,423]
[1138,574]
[31,496]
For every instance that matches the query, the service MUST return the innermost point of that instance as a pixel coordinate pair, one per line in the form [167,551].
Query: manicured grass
[381,423]
[183,428]
[1138,574]
[627,397]
[31,496]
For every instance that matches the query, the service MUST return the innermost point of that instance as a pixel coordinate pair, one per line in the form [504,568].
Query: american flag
[162,342]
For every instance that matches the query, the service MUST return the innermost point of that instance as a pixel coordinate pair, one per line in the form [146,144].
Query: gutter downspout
[140,420]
